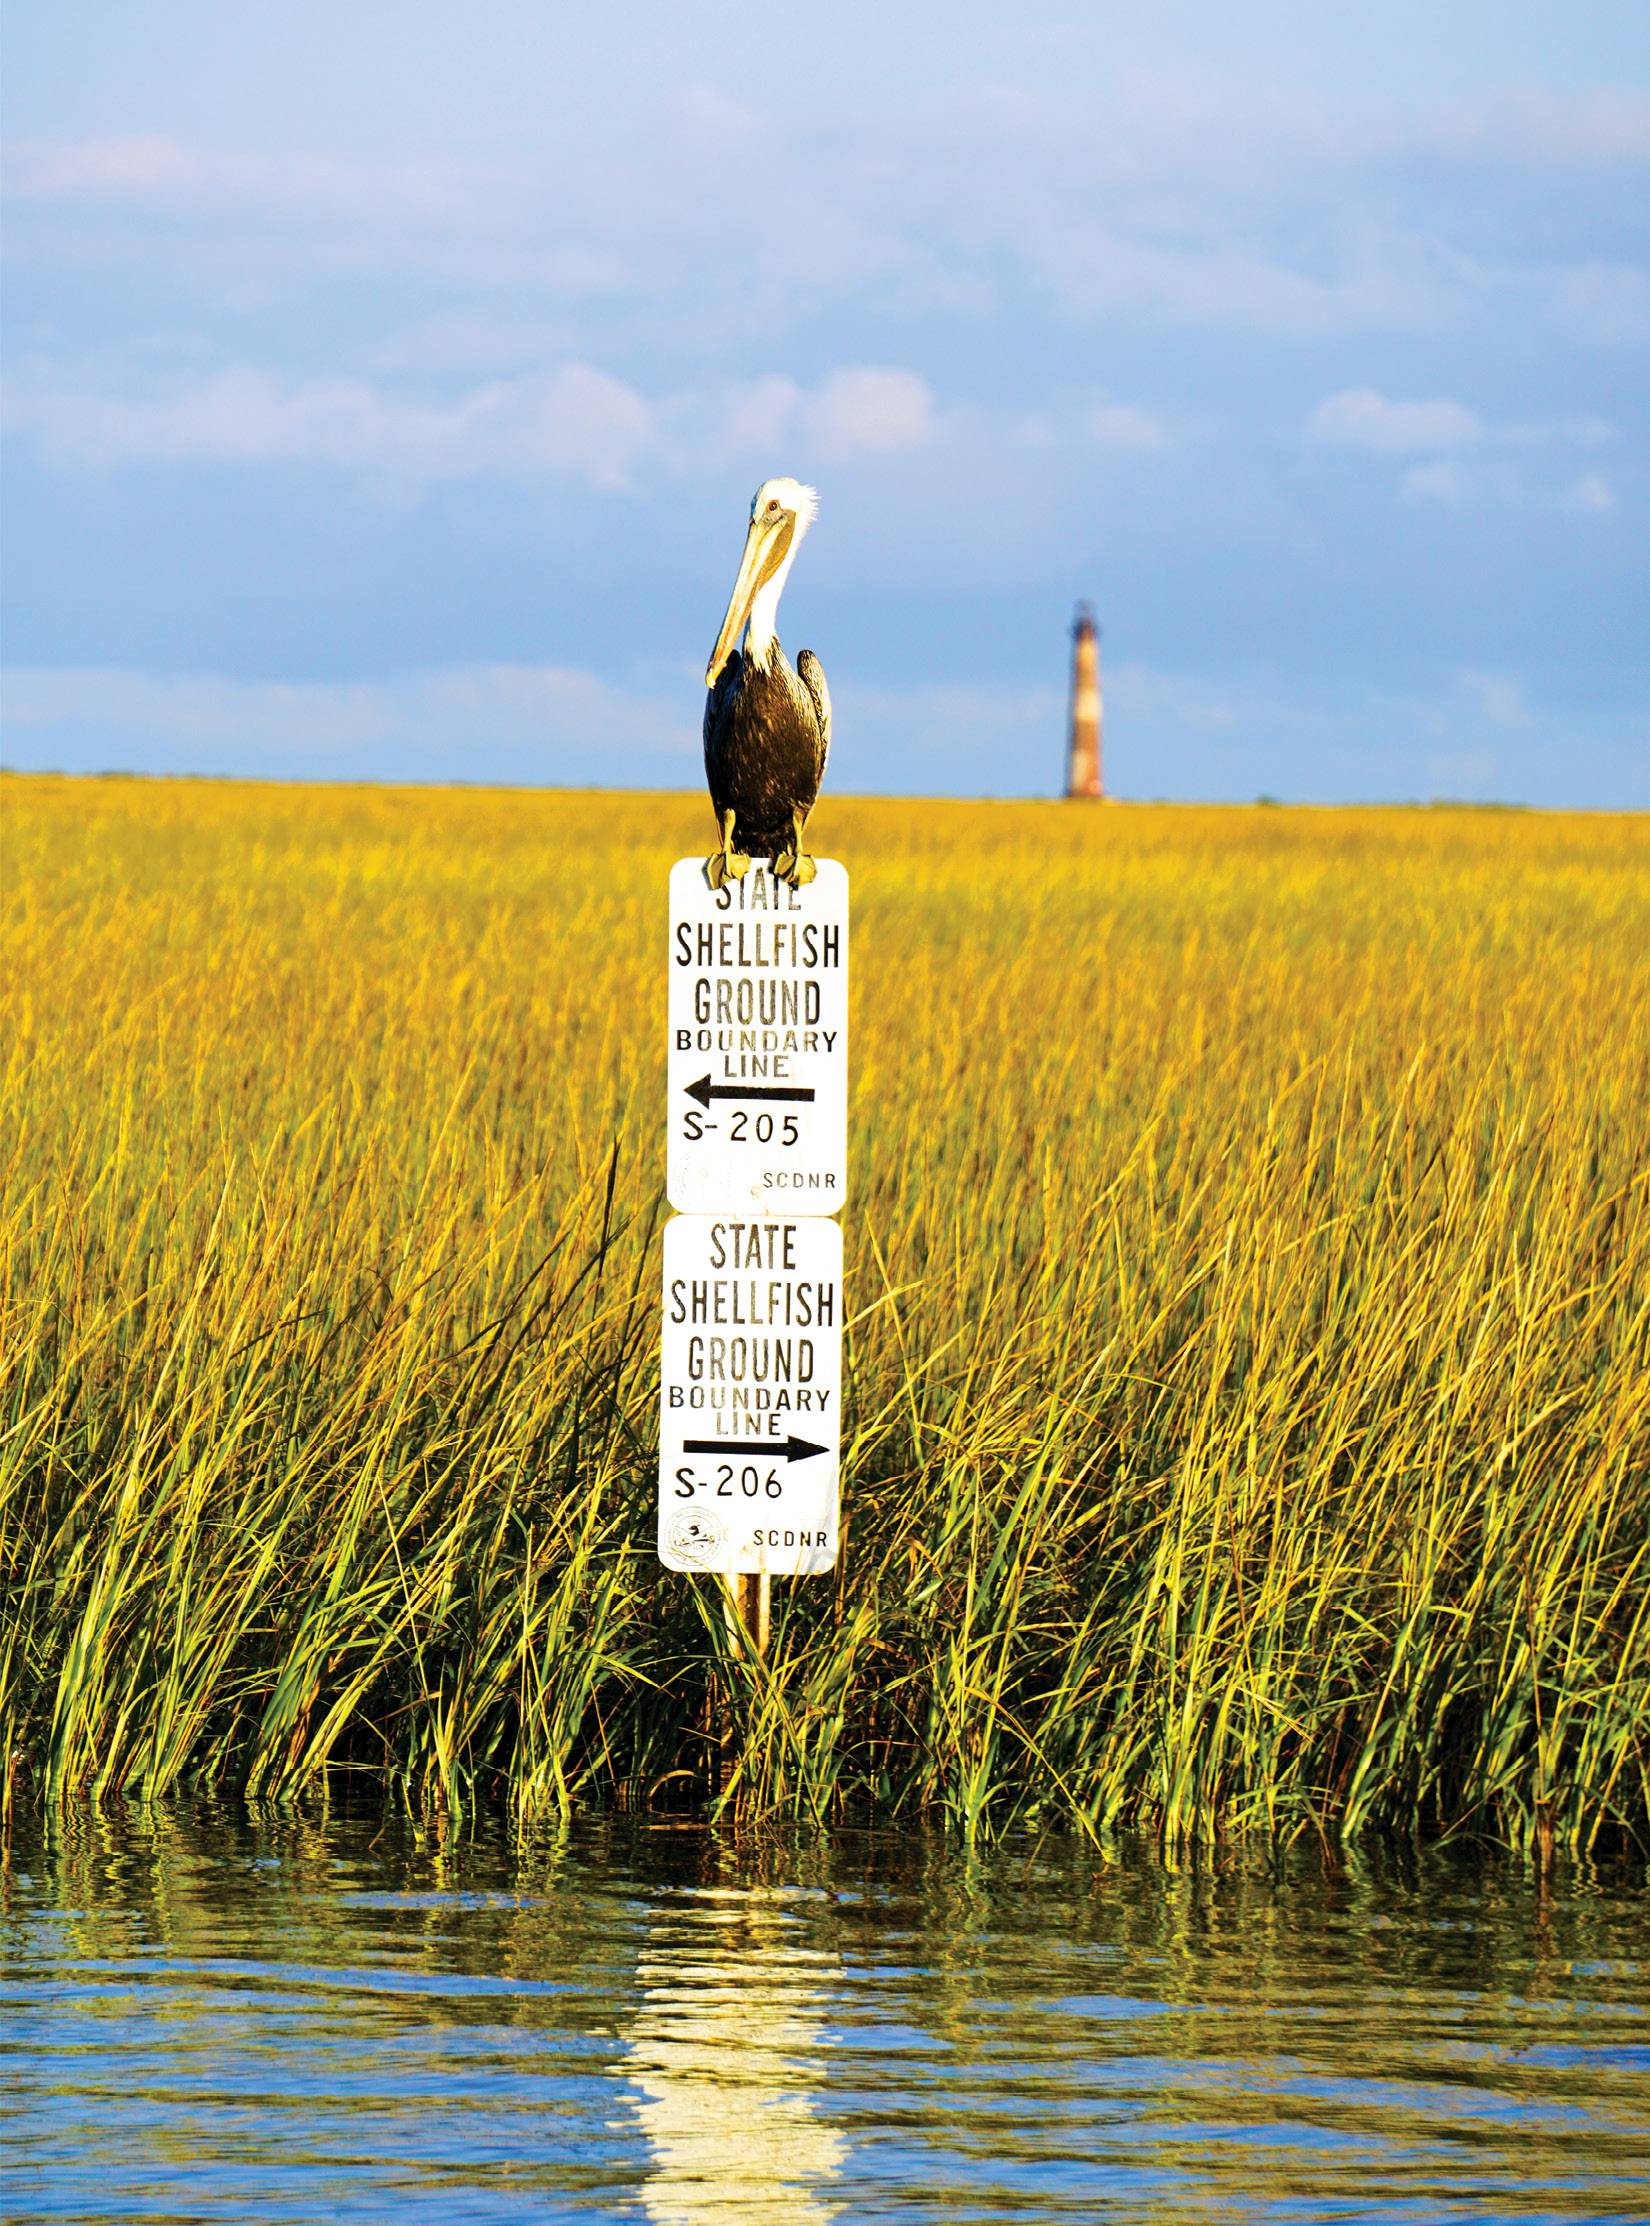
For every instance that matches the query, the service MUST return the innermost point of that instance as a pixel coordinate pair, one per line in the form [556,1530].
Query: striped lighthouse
[1086,775]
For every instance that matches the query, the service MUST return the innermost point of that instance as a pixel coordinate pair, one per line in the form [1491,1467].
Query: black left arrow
[796,1449]
[704,1090]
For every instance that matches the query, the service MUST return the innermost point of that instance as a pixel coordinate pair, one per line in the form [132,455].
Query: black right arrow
[796,1449]
[704,1090]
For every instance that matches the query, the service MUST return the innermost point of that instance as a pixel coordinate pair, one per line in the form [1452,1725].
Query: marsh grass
[1248,1364]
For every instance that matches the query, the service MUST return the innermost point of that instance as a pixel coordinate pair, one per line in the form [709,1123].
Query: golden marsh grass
[1248,1405]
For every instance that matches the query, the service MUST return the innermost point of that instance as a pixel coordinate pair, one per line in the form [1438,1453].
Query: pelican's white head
[782,510]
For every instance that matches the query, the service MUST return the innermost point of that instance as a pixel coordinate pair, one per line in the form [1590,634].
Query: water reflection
[727,2052]
[212,2013]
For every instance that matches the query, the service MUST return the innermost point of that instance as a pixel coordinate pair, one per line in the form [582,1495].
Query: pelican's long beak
[766,546]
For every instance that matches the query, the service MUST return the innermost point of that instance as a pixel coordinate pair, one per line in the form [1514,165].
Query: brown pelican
[767,728]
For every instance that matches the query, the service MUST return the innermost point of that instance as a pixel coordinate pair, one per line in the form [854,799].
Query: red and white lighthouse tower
[1086,776]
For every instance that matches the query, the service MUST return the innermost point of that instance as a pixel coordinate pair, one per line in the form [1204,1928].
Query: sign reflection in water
[215,2011]
[728,2057]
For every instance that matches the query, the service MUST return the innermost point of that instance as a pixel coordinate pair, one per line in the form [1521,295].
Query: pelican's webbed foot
[793,864]
[727,864]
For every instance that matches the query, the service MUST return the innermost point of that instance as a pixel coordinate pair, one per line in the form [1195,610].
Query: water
[209,2014]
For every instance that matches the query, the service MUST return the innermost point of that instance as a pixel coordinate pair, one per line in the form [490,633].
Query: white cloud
[868,413]
[1498,698]
[1361,418]
[162,179]
[1108,269]
[1472,734]
[584,421]
[1605,303]
[534,724]
[576,420]
[1607,126]
[1168,733]
[139,166]
[979,740]
[1023,300]
[1461,776]
[759,416]
[1517,486]
[531,723]
[1244,732]
[1436,483]
[1120,425]
[1466,457]
[1241,211]
[1590,495]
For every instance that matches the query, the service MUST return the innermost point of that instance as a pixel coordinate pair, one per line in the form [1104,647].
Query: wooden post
[747,1604]
[757,1170]
[750,1602]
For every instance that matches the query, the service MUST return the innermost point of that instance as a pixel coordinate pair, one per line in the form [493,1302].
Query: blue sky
[384,388]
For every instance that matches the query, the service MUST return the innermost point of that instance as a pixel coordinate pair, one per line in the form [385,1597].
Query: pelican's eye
[773,508]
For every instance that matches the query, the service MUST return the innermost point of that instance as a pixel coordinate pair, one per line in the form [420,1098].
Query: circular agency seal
[696,1535]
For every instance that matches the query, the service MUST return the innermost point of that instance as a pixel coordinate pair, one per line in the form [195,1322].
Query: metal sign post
[750,1396]
[750,1377]
[758,1063]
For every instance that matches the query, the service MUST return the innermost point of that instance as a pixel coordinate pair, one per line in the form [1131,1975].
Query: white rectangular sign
[758,1064]
[750,1395]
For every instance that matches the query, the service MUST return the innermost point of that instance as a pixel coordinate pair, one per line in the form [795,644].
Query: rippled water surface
[210,2014]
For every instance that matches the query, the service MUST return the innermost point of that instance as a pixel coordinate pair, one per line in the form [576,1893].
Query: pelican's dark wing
[811,673]
[719,705]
